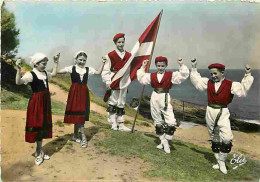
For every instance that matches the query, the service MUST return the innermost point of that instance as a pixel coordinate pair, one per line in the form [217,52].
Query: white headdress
[76,55]
[36,58]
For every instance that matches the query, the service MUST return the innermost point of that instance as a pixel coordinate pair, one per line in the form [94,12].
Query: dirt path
[68,161]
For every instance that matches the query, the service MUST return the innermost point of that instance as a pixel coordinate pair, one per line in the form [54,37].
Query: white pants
[157,104]
[117,98]
[225,132]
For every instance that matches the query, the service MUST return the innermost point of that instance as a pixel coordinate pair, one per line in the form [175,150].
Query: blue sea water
[245,108]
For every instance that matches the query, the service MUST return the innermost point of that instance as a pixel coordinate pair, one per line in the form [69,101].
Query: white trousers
[157,104]
[118,97]
[225,132]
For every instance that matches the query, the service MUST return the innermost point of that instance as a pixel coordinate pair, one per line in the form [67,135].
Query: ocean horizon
[247,108]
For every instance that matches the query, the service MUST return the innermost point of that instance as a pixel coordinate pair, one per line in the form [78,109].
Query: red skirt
[78,104]
[39,119]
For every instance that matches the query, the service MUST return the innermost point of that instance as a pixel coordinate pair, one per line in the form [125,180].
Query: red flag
[141,51]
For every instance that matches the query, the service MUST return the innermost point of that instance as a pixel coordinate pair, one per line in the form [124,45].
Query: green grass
[186,162]
[59,123]
[15,101]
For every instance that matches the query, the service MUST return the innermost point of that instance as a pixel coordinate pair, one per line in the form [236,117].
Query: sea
[247,108]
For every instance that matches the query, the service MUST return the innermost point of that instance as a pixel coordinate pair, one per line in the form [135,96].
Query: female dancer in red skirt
[39,118]
[78,107]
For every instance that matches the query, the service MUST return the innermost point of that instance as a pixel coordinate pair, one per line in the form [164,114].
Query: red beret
[217,65]
[117,36]
[161,59]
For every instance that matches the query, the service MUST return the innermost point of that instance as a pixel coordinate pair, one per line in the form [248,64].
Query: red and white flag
[141,51]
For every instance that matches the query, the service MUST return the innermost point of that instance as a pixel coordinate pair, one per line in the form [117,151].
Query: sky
[224,32]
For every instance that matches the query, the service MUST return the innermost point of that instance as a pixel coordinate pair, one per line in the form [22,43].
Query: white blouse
[238,89]
[80,71]
[27,78]
[177,77]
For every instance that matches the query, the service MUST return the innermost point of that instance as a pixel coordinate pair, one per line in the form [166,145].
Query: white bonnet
[76,55]
[37,57]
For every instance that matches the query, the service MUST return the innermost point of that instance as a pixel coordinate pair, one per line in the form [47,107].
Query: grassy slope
[17,96]
[187,162]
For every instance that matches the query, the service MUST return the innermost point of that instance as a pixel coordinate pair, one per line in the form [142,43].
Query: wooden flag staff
[149,63]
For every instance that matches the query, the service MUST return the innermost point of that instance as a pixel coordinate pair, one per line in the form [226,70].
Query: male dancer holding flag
[121,68]
[116,97]
[220,93]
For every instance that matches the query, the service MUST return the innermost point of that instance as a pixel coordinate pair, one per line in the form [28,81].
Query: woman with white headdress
[78,104]
[39,118]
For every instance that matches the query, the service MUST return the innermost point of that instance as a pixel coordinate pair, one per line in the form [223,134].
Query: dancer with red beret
[160,102]
[116,59]
[220,93]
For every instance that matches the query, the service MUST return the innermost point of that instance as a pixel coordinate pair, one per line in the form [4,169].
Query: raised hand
[194,63]
[104,59]
[180,61]
[145,62]
[247,69]
[56,58]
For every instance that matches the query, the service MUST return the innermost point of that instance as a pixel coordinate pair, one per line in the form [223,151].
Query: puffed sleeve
[179,76]
[241,89]
[91,71]
[199,82]
[106,73]
[143,78]
[27,78]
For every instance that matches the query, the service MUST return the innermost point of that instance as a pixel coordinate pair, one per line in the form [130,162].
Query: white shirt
[27,78]
[177,77]
[80,71]
[238,89]
[106,73]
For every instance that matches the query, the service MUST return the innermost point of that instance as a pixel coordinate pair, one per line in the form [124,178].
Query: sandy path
[68,160]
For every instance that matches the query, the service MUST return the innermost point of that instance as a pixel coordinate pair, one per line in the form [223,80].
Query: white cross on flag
[141,51]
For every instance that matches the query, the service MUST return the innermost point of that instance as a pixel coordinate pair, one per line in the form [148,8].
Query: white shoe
[77,140]
[222,167]
[84,143]
[114,127]
[160,146]
[166,146]
[122,127]
[216,166]
[39,160]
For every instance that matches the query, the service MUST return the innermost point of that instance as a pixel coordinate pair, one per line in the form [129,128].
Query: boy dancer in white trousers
[116,98]
[220,93]
[160,102]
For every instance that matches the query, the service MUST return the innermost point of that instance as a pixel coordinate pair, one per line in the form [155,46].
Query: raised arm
[142,77]
[100,69]
[18,79]
[106,73]
[179,76]
[56,65]
[199,82]
[241,89]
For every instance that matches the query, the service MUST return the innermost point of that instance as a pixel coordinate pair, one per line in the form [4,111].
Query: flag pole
[149,63]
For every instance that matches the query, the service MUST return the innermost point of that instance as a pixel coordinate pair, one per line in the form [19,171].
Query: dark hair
[118,38]
[161,62]
[81,54]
